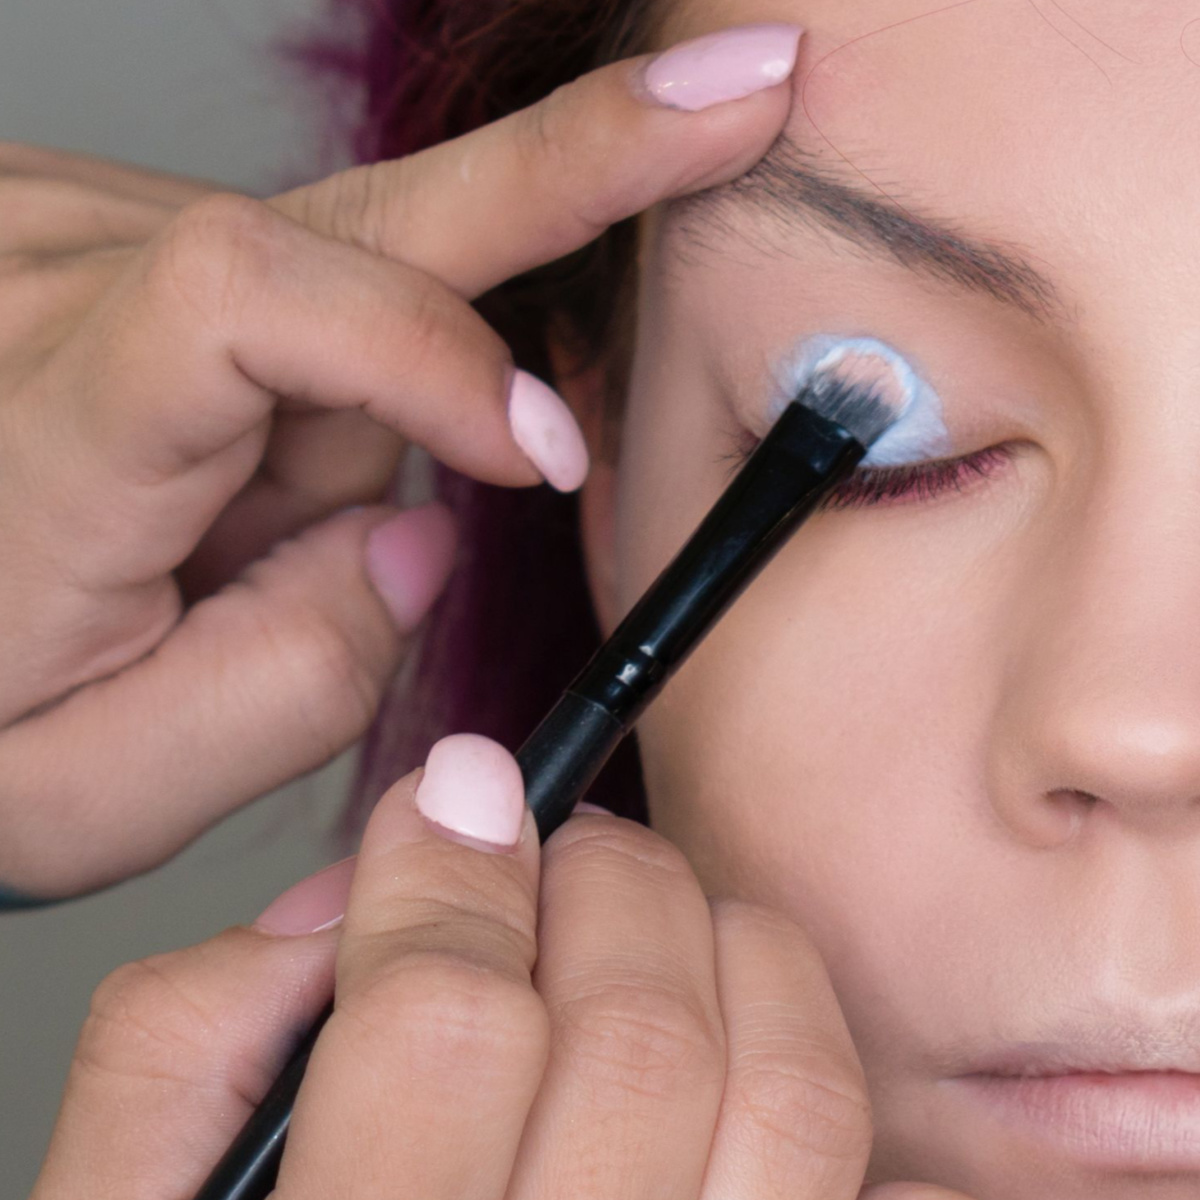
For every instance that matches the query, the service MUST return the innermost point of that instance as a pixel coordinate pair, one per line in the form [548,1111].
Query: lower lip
[1146,1120]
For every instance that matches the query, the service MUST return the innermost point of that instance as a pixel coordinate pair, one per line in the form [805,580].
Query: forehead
[1073,125]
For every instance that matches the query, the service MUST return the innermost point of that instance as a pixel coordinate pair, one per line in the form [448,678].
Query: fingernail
[472,790]
[409,559]
[542,425]
[584,807]
[723,66]
[314,904]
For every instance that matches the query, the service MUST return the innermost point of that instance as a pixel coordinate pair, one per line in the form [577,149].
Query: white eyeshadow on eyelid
[920,433]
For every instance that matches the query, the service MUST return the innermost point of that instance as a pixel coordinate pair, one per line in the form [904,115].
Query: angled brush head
[859,391]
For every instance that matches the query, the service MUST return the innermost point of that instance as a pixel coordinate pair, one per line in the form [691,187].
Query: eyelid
[919,482]
[919,435]
[908,483]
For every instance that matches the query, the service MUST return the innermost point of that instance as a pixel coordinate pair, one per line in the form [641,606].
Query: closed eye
[915,482]
[910,483]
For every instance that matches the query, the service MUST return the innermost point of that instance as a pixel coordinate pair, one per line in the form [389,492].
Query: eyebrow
[789,188]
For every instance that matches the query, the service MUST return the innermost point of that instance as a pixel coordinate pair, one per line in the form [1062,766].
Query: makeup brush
[849,400]
[816,443]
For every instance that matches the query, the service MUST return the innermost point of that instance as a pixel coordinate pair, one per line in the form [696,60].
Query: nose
[1099,716]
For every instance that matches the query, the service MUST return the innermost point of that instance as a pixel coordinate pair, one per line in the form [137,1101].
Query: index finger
[549,179]
[437,1041]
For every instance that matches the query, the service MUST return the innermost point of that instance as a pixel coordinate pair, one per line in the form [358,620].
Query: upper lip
[1120,1043]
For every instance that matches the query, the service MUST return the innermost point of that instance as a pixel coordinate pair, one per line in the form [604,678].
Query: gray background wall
[189,86]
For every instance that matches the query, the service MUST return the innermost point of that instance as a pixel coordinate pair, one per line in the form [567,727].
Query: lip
[1129,1121]
[1116,1048]
[1116,1090]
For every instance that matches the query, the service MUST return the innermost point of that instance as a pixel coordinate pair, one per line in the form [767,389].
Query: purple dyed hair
[516,622]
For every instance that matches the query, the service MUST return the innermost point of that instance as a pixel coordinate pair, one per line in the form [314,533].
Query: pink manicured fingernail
[584,807]
[409,559]
[542,425]
[723,66]
[314,904]
[472,788]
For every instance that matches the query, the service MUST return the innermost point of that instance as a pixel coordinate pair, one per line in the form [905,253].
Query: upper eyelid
[979,462]
[741,443]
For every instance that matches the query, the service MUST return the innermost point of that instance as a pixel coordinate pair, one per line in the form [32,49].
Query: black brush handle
[562,757]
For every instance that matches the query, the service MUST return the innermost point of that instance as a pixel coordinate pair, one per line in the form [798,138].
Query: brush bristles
[859,393]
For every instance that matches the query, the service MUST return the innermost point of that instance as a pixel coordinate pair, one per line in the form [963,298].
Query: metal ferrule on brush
[802,458]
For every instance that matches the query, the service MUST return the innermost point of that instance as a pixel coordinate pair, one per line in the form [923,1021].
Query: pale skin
[822,919]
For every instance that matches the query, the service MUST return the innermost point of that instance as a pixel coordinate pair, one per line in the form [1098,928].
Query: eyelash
[917,481]
[920,482]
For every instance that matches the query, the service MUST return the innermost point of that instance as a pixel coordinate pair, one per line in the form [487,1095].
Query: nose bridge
[1102,702]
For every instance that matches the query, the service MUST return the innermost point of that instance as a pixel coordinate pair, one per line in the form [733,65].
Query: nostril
[1071,805]
[1072,795]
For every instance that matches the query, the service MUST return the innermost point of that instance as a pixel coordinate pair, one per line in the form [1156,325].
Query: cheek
[819,721]
[824,747]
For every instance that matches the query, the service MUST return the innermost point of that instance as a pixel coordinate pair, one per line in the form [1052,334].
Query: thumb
[269,678]
[178,1048]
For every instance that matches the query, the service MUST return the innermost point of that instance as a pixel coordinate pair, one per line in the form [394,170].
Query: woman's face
[956,734]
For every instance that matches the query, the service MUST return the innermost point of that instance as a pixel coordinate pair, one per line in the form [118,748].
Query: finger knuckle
[337,690]
[336,684]
[367,201]
[440,328]
[426,315]
[438,325]
[140,1020]
[633,1038]
[563,141]
[620,852]
[556,148]
[359,205]
[793,1090]
[442,1010]
[744,919]
[213,251]
[801,1100]
[486,923]
[551,130]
